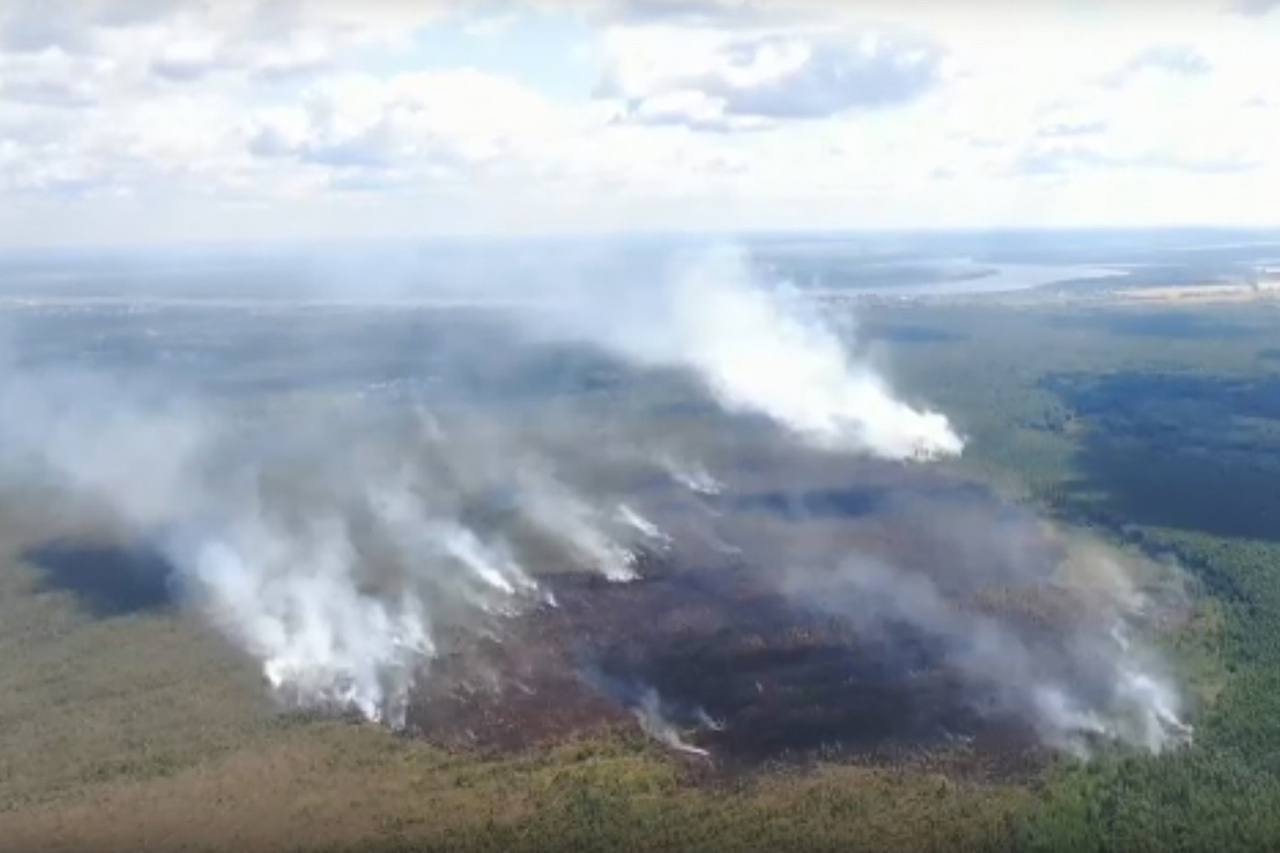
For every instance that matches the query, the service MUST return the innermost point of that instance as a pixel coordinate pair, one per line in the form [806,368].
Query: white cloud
[732,112]
[752,80]
[1253,8]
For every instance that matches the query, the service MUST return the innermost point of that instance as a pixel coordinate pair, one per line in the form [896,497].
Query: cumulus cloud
[1061,159]
[29,26]
[737,113]
[50,79]
[687,12]
[128,13]
[1253,8]
[769,77]
[1179,58]
[1072,128]
[184,40]
[361,120]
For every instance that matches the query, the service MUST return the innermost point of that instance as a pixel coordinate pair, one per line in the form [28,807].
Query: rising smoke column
[761,350]
[757,349]
[296,606]
[335,622]
[334,568]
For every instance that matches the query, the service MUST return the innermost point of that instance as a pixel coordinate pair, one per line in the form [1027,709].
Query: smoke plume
[1087,679]
[758,348]
[348,546]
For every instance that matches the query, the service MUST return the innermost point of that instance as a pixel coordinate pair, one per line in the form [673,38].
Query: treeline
[1165,464]
[1162,432]
[1222,793]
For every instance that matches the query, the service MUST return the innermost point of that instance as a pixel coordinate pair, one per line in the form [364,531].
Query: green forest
[1156,430]
[1159,430]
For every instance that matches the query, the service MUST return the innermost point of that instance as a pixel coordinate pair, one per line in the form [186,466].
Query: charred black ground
[745,672]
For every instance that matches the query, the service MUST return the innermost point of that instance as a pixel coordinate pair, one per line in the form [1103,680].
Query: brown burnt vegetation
[748,674]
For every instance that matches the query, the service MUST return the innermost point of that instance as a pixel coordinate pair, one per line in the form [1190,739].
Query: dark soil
[745,673]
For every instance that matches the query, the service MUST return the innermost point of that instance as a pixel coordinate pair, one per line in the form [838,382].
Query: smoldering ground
[909,612]
[676,501]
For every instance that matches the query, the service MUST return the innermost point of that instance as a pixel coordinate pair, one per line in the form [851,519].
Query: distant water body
[963,279]
[431,283]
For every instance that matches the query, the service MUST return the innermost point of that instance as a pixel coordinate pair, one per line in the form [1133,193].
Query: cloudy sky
[161,120]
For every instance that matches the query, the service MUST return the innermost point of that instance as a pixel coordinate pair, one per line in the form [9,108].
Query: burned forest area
[745,678]
[402,580]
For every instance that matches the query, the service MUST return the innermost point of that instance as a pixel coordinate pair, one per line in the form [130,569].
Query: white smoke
[695,478]
[340,584]
[338,626]
[582,527]
[644,526]
[655,723]
[297,607]
[1157,722]
[708,722]
[328,627]
[1071,688]
[759,350]
[649,710]
[345,588]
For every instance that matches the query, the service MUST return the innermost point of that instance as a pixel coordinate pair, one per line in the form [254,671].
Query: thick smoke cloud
[758,348]
[348,548]
[336,567]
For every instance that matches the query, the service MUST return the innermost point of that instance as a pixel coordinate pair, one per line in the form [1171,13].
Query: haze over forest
[638,426]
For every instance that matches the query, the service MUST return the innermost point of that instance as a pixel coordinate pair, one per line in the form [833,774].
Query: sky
[161,121]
